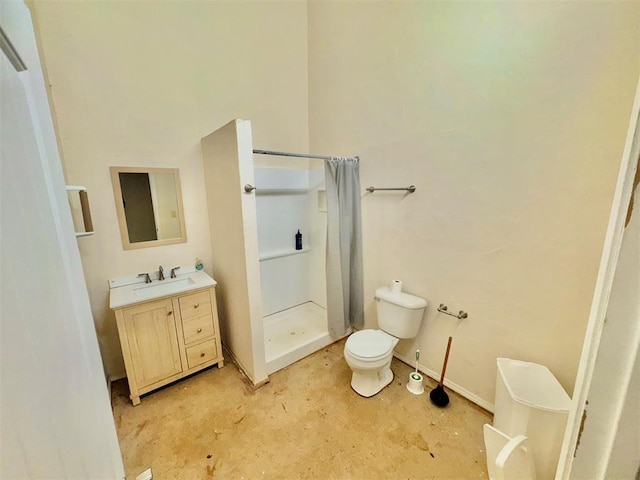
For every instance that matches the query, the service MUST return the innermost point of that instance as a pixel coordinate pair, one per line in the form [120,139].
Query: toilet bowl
[369,352]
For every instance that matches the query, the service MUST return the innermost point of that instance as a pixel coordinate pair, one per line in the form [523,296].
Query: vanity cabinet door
[152,341]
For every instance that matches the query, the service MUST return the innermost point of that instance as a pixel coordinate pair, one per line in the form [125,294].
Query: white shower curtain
[344,246]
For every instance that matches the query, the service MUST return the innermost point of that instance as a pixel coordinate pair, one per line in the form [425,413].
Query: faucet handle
[173,272]
[147,278]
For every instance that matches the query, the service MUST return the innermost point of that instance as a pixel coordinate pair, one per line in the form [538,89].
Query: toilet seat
[370,345]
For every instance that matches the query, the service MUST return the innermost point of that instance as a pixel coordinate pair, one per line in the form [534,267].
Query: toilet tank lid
[402,299]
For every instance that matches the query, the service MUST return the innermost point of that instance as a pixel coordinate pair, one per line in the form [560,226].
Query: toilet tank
[399,314]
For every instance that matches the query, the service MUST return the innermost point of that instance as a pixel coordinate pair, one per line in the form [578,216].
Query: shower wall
[317,234]
[287,201]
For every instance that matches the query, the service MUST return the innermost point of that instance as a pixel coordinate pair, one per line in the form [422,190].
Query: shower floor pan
[294,333]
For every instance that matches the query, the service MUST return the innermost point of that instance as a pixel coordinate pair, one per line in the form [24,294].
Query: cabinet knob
[196,305]
[202,354]
[199,330]
[169,313]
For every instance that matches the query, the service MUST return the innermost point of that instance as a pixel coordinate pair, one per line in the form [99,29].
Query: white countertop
[139,291]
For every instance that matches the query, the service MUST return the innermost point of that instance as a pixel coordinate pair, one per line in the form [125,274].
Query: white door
[55,412]
[591,446]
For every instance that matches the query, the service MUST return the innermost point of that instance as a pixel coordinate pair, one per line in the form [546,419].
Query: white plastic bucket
[530,401]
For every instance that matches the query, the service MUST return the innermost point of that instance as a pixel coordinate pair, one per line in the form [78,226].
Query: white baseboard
[110,380]
[118,376]
[447,383]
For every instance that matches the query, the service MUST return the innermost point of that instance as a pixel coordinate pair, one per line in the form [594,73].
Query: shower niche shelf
[282,253]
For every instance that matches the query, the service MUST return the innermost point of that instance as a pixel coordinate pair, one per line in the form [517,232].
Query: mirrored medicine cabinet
[149,206]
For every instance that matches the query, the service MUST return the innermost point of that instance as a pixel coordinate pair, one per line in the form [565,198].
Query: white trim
[604,283]
[116,377]
[447,383]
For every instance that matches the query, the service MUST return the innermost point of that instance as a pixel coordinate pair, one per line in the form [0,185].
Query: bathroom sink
[164,287]
[131,290]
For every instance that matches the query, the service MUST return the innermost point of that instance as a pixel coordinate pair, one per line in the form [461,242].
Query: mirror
[149,206]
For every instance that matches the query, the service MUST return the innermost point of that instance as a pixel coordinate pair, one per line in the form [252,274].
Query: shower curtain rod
[298,155]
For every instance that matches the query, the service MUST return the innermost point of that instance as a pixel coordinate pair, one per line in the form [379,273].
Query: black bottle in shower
[298,241]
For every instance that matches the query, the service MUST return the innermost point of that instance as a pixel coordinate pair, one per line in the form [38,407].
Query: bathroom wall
[510,119]
[139,84]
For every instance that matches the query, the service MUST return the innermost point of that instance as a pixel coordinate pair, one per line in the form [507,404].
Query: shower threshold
[294,333]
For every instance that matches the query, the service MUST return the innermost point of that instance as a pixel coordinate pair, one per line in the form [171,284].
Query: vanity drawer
[195,305]
[202,353]
[197,328]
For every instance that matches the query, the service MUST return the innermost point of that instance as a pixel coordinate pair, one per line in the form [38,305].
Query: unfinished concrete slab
[306,423]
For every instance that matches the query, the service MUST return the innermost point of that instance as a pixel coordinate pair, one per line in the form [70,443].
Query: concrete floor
[306,423]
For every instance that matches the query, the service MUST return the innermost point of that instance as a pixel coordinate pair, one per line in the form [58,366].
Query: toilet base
[368,383]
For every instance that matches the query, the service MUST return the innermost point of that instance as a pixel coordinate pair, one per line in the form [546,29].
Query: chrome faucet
[173,272]
[160,273]
[147,278]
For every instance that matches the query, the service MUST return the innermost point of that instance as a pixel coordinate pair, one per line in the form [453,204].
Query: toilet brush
[438,396]
[415,379]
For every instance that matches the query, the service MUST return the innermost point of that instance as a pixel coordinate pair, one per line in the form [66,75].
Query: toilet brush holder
[415,383]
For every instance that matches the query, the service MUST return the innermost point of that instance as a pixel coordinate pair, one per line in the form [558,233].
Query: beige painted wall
[510,119]
[140,83]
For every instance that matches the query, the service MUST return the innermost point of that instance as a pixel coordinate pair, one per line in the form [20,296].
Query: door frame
[603,287]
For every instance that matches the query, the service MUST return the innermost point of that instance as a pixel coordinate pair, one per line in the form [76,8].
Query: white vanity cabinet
[166,339]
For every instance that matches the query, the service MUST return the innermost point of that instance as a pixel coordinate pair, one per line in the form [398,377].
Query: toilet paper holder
[443,309]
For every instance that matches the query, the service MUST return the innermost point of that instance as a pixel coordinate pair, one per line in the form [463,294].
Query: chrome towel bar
[410,189]
[248,188]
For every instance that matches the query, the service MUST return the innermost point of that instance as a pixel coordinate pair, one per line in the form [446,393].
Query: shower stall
[272,297]
[293,281]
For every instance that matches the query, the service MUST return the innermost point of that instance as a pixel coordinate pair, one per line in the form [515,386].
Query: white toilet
[369,352]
